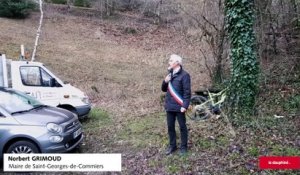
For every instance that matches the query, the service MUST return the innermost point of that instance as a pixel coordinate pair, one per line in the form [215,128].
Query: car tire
[24,147]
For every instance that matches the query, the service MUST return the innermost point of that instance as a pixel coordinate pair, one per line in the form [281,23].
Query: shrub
[16,8]
[59,1]
[82,3]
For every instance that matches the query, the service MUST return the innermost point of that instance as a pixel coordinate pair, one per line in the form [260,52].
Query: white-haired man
[177,86]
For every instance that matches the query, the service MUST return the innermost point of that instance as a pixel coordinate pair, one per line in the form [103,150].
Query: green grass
[145,131]
[253,151]
[282,150]
[293,104]
[176,163]
[97,119]
[142,133]
[206,144]
[223,141]
[212,144]
[234,156]
[173,168]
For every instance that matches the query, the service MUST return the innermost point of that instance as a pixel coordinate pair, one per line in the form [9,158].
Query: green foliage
[82,3]
[59,1]
[244,65]
[293,104]
[253,151]
[16,8]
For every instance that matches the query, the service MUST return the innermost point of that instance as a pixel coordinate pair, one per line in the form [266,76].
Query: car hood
[44,115]
[73,90]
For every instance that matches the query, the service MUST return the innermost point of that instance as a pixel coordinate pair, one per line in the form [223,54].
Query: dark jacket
[181,82]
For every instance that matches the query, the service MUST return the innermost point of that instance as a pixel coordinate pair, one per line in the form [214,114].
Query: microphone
[170,71]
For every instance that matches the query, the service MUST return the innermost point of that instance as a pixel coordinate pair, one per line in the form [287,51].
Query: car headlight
[55,139]
[85,100]
[55,128]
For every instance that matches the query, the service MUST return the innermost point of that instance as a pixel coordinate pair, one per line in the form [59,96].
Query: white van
[35,79]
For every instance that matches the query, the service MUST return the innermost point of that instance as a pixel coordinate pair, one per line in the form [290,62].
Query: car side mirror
[52,82]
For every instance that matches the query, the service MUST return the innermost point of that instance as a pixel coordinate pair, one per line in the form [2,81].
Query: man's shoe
[170,150]
[183,151]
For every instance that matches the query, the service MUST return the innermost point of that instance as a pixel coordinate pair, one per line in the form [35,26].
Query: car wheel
[196,112]
[22,147]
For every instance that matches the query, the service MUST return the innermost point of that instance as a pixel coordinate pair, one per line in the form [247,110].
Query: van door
[40,84]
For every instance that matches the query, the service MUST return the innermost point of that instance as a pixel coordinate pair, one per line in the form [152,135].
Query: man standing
[178,87]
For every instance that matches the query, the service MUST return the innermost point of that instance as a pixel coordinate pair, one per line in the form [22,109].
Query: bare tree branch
[206,65]
[214,26]
[203,28]
[38,31]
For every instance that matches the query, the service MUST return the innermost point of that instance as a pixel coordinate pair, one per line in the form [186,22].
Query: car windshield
[15,102]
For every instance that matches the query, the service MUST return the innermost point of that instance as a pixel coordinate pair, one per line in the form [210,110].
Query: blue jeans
[171,118]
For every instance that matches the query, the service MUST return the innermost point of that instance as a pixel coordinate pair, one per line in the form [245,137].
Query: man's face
[173,63]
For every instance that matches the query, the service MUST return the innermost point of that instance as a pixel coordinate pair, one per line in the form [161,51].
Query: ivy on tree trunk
[244,66]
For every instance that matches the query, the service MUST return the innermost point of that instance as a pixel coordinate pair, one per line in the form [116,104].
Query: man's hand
[168,78]
[182,109]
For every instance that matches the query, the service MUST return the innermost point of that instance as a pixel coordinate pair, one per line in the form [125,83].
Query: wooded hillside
[117,52]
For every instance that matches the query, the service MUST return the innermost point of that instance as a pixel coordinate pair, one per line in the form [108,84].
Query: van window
[31,76]
[35,76]
[45,78]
